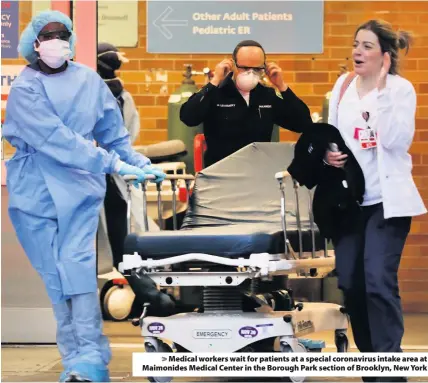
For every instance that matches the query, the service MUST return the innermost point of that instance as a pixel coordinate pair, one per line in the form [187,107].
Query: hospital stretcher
[248,227]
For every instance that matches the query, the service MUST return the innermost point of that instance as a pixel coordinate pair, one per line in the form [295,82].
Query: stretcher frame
[268,263]
[288,326]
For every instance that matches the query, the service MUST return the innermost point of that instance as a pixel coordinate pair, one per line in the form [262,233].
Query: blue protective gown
[56,184]
[56,179]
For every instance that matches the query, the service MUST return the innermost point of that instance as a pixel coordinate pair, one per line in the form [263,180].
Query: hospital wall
[310,76]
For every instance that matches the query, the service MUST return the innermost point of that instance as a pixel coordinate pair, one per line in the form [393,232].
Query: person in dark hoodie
[109,61]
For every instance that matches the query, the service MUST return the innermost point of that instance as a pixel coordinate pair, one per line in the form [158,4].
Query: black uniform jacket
[339,191]
[230,124]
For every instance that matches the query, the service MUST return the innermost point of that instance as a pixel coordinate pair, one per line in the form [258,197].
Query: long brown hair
[389,40]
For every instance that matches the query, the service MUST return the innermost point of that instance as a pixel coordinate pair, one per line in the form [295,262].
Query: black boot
[146,291]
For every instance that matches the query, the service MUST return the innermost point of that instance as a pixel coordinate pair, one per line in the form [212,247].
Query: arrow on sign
[162,23]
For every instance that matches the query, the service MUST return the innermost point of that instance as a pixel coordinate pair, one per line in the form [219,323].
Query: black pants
[367,261]
[115,210]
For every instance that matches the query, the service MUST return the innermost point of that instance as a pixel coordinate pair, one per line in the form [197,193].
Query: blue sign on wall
[9,29]
[217,26]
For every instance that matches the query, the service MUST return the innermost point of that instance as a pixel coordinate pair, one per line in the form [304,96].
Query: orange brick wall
[310,76]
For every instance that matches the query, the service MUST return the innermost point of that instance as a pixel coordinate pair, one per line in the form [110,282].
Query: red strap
[199,148]
[345,85]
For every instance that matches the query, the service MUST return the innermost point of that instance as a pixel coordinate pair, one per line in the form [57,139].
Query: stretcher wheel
[287,348]
[341,341]
[159,379]
[163,347]
[116,301]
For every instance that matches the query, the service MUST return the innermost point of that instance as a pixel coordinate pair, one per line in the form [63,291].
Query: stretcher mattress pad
[235,210]
[240,241]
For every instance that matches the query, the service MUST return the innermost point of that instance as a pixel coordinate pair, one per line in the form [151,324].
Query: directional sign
[162,23]
[9,29]
[217,26]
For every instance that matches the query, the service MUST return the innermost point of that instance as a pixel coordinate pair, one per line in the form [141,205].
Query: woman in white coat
[374,110]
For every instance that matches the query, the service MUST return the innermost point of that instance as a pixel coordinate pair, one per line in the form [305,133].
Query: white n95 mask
[247,81]
[54,52]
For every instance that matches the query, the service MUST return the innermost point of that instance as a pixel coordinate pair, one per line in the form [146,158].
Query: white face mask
[247,81]
[120,55]
[54,52]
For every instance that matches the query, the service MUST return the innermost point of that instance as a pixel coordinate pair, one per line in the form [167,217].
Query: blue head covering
[29,35]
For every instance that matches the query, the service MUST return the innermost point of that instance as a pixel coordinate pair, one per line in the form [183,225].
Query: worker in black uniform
[236,109]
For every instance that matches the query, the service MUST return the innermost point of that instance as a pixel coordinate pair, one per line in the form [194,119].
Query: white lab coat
[392,115]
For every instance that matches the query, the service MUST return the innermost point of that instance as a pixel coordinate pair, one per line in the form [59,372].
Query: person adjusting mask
[236,108]
[56,182]
[247,81]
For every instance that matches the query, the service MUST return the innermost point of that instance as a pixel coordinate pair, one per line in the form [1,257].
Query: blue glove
[160,175]
[129,170]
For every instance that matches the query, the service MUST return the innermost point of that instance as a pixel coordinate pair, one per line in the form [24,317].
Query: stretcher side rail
[173,178]
[282,178]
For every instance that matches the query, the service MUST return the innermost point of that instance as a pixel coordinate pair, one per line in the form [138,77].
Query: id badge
[367,138]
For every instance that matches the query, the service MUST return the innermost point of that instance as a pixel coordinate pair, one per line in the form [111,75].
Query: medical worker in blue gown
[56,182]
